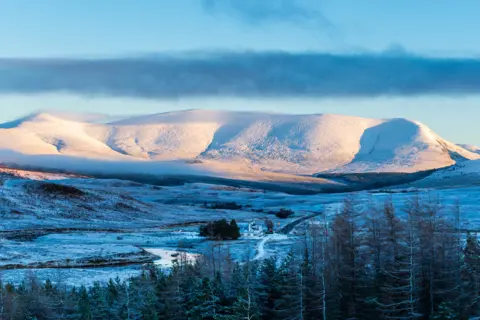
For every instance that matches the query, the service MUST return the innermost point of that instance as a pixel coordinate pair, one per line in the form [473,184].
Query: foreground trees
[369,262]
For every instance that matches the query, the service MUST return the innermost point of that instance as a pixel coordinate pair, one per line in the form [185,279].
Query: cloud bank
[249,74]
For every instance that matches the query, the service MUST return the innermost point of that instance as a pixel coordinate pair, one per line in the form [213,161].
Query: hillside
[238,142]
[470,147]
[465,174]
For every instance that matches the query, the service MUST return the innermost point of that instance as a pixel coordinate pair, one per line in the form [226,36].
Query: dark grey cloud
[268,74]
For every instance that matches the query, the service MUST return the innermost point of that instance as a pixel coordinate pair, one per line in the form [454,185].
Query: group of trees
[223,206]
[368,265]
[282,213]
[221,230]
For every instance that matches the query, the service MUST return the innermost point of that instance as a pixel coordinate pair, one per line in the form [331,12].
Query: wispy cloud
[266,11]
[250,74]
[262,12]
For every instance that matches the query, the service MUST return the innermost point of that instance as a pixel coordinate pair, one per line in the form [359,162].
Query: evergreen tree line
[367,264]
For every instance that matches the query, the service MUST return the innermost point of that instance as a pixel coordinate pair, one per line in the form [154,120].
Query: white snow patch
[168,257]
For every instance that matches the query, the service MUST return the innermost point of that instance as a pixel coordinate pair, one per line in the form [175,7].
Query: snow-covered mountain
[229,141]
[471,148]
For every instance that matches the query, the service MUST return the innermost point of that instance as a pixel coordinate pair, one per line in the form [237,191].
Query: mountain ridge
[275,142]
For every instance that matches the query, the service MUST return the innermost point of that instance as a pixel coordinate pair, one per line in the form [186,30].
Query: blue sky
[32,28]
[92,29]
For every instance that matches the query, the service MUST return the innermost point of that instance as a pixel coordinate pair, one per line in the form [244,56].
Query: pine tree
[399,265]
[319,272]
[373,242]
[429,234]
[84,310]
[149,311]
[98,303]
[269,290]
[311,270]
[291,303]
[346,253]
[448,265]
[246,305]
[112,294]
[471,275]
[205,302]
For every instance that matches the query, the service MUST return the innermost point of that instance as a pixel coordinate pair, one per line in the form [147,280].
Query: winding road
[287,229]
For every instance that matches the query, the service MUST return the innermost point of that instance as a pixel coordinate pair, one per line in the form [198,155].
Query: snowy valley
[103,198]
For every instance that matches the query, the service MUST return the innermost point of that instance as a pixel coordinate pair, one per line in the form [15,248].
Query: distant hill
[226,141]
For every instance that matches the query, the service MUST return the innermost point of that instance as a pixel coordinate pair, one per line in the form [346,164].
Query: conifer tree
[85,313]
[269,290]
[346,252]
[471,276]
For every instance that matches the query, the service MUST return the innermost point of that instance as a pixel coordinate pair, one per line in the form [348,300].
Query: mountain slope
[47,134]
[470,147]
[465,174]
[230,141]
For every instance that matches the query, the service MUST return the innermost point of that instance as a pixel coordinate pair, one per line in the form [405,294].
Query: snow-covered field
[96,229]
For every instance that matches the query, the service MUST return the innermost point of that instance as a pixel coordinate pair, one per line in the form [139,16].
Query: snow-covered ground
[127,223]
[461,175]
[166,258]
